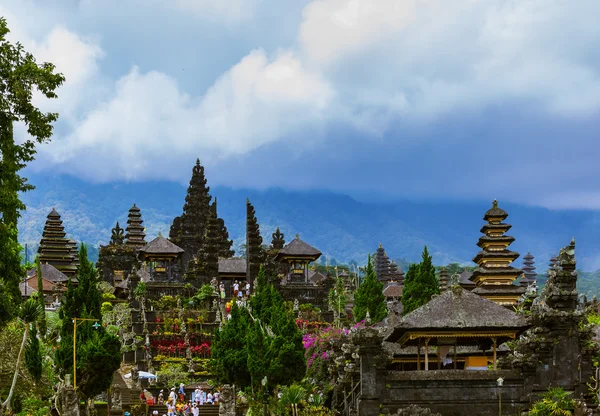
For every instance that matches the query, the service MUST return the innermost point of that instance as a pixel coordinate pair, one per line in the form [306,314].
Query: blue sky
[400,98]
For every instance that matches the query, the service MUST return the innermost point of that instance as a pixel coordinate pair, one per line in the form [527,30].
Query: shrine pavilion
[458,318]
[160,258]
[297,255]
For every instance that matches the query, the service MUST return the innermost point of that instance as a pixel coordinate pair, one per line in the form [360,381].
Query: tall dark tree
[369,297]
[40,284]
[188,230]
[98,353]
[423,285]
[20,76]
[281,354]
[33,354]
[230,349]
[224,242]
[254,251]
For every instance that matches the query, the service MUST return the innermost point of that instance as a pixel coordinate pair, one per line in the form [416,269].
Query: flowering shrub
[321,347]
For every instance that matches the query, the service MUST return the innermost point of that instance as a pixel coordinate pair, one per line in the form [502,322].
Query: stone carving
[115,398]
[296,305]
[215,305]
[117,236]
[69,401]
[414,410]
[226,401]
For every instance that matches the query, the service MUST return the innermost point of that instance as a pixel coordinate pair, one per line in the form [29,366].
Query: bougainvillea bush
[321,347]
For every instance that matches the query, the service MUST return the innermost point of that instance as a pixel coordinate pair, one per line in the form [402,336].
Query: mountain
[341,227]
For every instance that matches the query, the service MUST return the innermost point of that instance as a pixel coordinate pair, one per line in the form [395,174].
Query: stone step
[205,410]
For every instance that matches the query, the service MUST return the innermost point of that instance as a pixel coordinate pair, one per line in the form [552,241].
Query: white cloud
[232,10]
[149,122]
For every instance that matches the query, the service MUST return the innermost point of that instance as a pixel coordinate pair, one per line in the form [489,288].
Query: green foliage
[173,374]
[98,356]
[140,290]
[555,402]
[420,284]
[32,406]
[369,297]
[337,299]
[20,76]
[292,396]
[205,292]
[268,343]
[33,355]
[108,296]
[41,300]
[98,353]
[230,350]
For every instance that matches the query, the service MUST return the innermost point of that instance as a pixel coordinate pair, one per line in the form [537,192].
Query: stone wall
[455,392]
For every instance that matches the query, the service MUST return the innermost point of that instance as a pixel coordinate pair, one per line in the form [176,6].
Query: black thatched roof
[161,245]
[51,273]
[495,212]
[458,309]
[465,278]
[498,227]
[297,247]
[506,254]
[232,266]
[316,276]
[392,290]
[499,289]
[26,290]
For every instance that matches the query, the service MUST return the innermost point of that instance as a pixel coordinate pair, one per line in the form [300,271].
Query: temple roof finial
[495,203]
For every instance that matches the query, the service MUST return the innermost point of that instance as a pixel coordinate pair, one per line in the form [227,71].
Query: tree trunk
[6,404]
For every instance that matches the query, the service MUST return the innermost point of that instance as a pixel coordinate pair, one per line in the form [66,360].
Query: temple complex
[494,275]
[55,249]
[160,259]
[443,279]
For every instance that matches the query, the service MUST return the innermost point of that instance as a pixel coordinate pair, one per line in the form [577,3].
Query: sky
[389,98]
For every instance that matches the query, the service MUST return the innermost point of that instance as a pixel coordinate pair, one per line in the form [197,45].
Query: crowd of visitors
[178,403]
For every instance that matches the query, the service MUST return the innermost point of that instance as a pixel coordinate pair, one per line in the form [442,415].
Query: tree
[229,349]
[422,286]
[28,313]
[33,354]
[409,291]
[264,343]
[556,401]
[98,352]
[20,76]
[338,299]
[41,300]
[254,250]
[369,297]
[224,243]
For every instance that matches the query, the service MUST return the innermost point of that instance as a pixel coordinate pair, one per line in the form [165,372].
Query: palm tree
[29,313]
[292,396]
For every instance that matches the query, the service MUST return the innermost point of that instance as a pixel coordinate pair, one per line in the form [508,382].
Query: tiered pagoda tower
[382,265]
[494,275]
[443,279]
[529,274]
[396,273]
[135,236]
[254,252]
[55,249]
[553,261]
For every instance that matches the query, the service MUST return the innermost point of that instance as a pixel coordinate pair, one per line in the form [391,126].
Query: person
[143,396]
[161,398]
[248,289]
[155,412]
[240,294]
[216,397]
[236,289]
[181,393]
[172,396]
[195,409]
[171,409]
[209,398]
[222,291]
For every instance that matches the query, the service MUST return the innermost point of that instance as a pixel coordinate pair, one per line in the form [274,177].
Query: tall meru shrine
[491,321]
